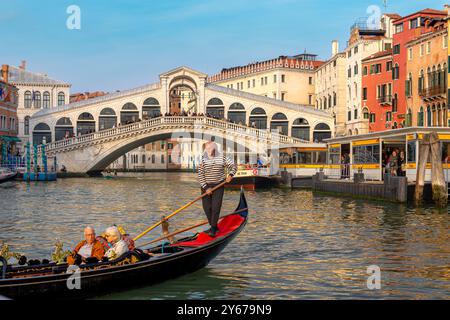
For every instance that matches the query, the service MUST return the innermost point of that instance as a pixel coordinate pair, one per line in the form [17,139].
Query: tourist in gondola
[88,250]
[211,173]
[119,246]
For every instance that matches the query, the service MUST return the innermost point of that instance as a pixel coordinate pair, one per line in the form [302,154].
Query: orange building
[426,84]
[377,91]
[8,117]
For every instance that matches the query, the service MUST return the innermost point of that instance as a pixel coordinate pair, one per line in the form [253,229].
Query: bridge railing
[174,120]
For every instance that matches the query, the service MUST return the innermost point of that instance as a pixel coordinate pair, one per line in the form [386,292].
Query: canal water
[297,245]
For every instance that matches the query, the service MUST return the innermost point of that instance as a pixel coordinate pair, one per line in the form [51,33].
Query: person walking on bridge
[211,172]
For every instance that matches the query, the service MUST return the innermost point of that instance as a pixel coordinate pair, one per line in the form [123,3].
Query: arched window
[215,108]
[129,113]
[280,123]
[429,117]
[151,108]
[408,122]
[85,124]
[61,99]
[37,100]
[236,113]
[420,117]
[366,114]
[321,131]
[63,129]
[107,119]
[46,100]
[258,118]
[300,129]
[27,99]
[26,125]
[41,134]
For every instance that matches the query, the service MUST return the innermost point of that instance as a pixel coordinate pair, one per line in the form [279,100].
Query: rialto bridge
[87,136]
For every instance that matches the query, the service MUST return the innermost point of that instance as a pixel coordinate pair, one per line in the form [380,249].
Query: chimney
[334,47]
[23,65]
[5,72]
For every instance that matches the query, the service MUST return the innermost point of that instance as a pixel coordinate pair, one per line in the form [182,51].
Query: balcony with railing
[385,99]
[433,92]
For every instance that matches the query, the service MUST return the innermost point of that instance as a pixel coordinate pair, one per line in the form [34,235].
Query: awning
[9,139]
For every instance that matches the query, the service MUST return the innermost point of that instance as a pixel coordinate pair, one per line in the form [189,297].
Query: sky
[122,44]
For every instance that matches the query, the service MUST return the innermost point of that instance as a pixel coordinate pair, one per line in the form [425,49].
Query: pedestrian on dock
[211,173]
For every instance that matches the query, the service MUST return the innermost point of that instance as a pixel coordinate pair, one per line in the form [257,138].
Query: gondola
[136,268]
[7,176]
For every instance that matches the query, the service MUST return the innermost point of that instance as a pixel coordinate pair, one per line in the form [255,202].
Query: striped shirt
[212,170]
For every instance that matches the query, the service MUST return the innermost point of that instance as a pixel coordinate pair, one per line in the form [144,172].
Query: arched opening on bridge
[129,113]
[151,109]
[41,133]
[322,131]
[280,123]
[237,114]
[85,124]
[63,129]
[258,118]
[107,119]
[215,108]
[300,129]
[182,98]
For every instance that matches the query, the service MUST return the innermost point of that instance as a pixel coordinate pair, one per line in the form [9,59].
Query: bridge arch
[63,128]
[85,124]
[129,113]
[280,123]
[42,132]
[237,113]
[107,119]
[258,117]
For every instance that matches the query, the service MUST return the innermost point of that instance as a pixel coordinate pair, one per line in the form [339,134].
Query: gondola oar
[189,228]
[177,211]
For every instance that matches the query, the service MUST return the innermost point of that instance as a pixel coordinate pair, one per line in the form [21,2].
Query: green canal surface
[297,245]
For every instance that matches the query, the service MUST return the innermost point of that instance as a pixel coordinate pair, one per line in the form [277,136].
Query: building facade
[364,41]
[8,118]
[285,78]
[331,88]
[376,98]
[426,83]
[36,92]
[407,29]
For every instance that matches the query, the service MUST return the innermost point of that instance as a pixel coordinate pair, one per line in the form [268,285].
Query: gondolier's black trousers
[212,204]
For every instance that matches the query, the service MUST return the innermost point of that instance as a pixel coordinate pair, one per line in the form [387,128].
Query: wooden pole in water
[424,151]
[438,182]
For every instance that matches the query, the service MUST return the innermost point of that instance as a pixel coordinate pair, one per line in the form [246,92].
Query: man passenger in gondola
[211,172]
[89,250]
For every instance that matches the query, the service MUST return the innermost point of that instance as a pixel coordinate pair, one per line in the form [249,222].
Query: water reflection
[297,245]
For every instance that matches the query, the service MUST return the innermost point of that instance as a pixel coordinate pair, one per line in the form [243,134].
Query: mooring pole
[437,173]
[424,151]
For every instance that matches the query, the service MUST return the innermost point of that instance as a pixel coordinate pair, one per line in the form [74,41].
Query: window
[388,66]
[414,23]
[162,158]
[378,68]
[422,50]
[349,116]
[349,72]
[364,93]
[283,96]
[254,83]
[46,100]
[399,28]
[410,54]
[283,78]
[153,158]
[26,126]
[355,116]
[27,99]
[265,80]
[429,47]
[366,154]
[388,116]
[396,72]
[274,78]
[445,42]
[396,49]
[310,80]
[356,50]
[372,118]
[310,99]
[262,81]
[248,84]
[61,99]
[356,69]
[365,71]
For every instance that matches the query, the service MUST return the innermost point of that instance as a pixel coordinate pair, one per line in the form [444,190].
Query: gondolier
[211,173]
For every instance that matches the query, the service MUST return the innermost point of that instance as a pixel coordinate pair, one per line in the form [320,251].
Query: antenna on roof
[385,4]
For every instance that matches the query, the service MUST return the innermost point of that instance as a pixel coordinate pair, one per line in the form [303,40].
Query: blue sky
[127,43]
